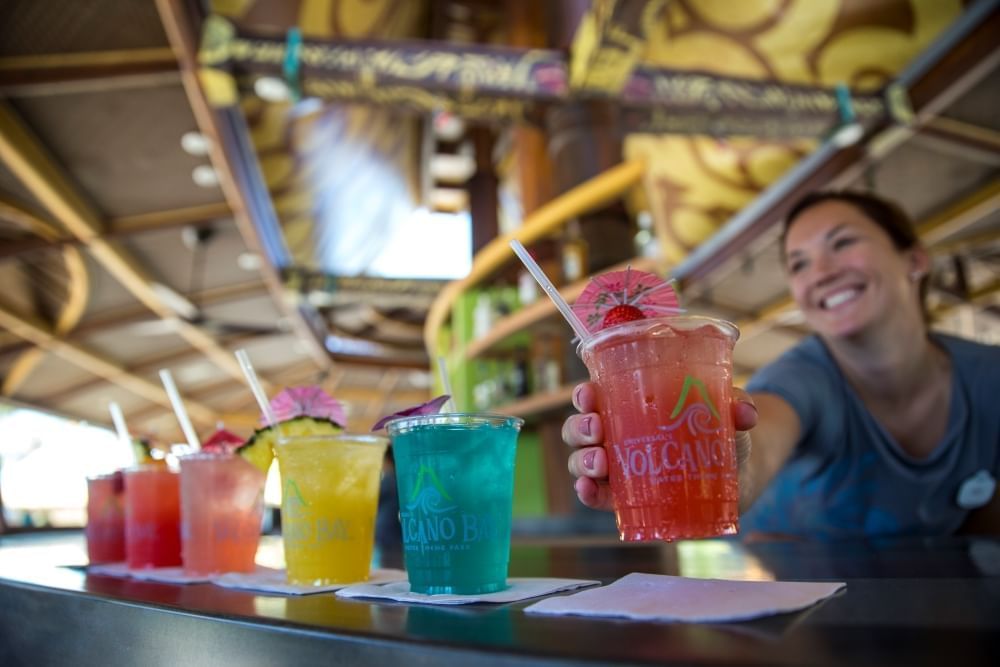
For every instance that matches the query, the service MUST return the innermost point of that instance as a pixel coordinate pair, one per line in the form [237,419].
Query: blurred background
[331,185]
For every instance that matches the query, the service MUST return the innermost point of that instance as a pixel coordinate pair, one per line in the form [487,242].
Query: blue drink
[455,475]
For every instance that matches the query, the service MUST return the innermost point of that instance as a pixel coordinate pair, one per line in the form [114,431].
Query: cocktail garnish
[623,296]
[431,407]
[308,401]
[222,442]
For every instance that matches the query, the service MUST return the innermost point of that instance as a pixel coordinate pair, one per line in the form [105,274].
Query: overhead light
[249,261]
[195,143]
[451,200]
[847,135]
[205,176]
[174,301]
[272,89]
[420,379]
[353,346]
[320,298]
[448,126]
[456,168]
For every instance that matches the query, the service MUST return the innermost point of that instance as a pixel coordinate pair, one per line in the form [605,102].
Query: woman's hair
[886,214]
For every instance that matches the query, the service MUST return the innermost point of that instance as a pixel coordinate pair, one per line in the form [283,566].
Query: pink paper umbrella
[620,296]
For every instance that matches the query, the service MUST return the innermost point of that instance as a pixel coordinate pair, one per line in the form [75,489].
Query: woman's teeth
[839,298]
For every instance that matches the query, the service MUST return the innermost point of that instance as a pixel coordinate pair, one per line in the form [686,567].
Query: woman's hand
[589,463]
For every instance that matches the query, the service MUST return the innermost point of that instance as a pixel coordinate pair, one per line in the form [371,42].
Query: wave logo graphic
[294,502]
[699,416]
[429,495]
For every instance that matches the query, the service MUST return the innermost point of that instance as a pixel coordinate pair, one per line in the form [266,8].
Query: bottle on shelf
[574,253]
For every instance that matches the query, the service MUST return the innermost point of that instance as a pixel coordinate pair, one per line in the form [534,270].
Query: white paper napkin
[109,569]
[518,589]
[657,597]
[169,575]
[270,580]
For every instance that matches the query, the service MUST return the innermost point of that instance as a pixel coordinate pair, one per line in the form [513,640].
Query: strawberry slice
[621,314]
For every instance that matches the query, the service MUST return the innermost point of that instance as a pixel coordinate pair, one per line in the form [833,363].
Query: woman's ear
[920,263]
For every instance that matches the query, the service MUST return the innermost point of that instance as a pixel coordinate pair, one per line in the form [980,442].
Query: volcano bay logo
[692,442]
[433,521]
[305,525]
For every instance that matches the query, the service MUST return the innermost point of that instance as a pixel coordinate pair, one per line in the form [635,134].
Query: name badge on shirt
[977,490]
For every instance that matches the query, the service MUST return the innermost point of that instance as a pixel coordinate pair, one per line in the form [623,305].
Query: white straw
[258,391]
[550,289]
[449,405]
[118,419]
[182,416]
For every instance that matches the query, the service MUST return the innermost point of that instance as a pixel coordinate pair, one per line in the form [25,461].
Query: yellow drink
[329,497]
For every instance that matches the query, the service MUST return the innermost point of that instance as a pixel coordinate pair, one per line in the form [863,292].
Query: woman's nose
[823,267]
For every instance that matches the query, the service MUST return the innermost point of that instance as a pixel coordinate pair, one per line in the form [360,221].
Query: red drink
[664,388]
[105,519]
[222,499]
[152,517]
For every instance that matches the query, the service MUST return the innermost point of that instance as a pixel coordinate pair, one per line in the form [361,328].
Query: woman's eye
[796,266]
[843,242]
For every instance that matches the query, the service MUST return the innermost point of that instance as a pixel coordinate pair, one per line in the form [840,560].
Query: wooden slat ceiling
[96,192]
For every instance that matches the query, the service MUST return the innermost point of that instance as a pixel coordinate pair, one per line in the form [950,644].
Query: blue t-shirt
[847,477]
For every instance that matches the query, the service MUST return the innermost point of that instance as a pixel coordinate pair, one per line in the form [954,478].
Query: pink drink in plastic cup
[152,517]
[222,499]
[105,529]
[664,388]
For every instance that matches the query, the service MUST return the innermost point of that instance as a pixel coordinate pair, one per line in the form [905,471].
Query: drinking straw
[550,289]
[449,405]
[179,410]
[255,387]
[118,419]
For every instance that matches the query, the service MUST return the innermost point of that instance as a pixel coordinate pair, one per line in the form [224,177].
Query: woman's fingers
[589,462]
[744,410]
[593,493]
[585,397]
[583,430]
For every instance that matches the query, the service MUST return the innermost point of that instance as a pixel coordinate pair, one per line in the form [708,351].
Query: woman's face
[844,272]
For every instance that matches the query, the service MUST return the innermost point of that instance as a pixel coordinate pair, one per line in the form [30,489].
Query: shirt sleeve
[805,383]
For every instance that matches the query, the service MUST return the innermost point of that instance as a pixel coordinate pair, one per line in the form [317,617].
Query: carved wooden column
[585,140]
[482,188]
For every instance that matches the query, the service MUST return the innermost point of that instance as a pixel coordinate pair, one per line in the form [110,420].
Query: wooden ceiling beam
[113,229]
[42,335]
[151,364]
[25,156]
[135,313]
[239,174]
[960,214]
[19,74]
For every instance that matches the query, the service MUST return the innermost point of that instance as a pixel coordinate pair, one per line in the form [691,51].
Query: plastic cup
[105,529]
[152,517]
[455,476]
[664,389]
[328,501]
[222,500]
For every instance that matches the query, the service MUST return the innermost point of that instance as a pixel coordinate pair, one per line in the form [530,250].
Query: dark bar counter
[907,602]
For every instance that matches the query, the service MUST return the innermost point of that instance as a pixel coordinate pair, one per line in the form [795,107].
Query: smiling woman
[875,425]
